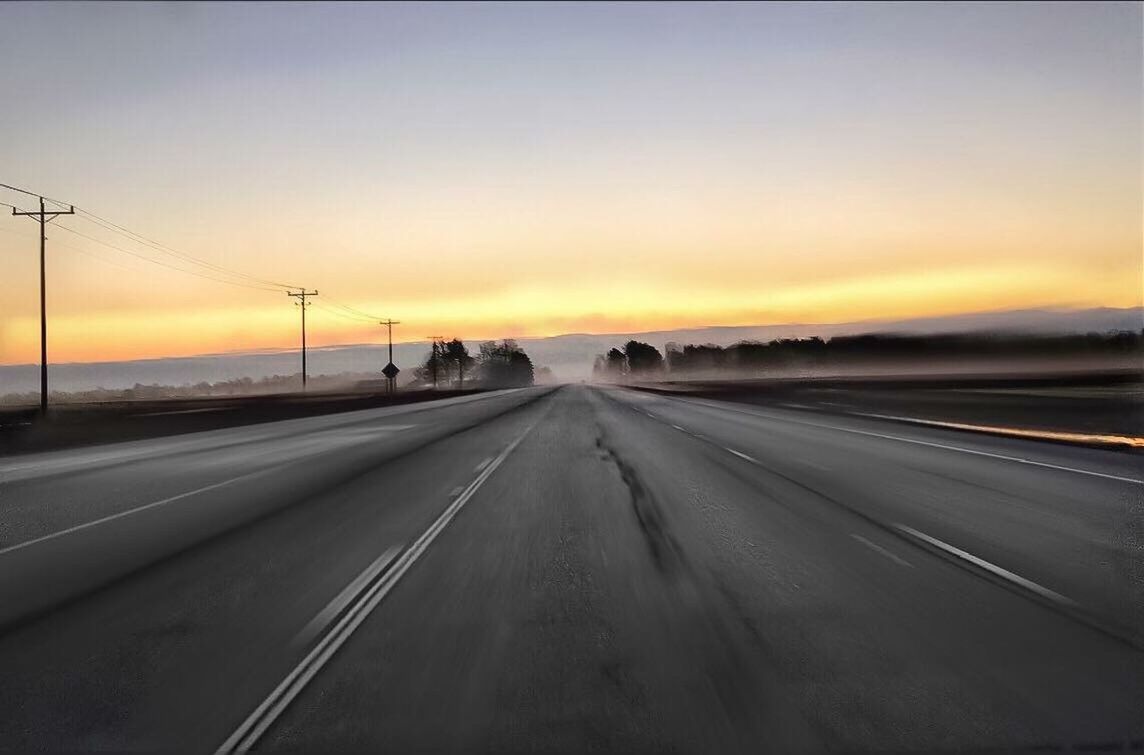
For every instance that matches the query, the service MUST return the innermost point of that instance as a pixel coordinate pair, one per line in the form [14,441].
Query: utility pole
[301,295]
[390,370]
[42,215]
[434,358]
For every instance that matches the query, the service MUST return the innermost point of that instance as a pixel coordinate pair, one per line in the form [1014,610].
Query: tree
[434,368]
[615,364]
[454,353]
[643,358]
[504,365]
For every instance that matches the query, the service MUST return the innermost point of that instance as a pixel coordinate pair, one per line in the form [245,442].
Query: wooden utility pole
[43,216]
[303,304]
[390,370]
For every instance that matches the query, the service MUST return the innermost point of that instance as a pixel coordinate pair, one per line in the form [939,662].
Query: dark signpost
[390,370]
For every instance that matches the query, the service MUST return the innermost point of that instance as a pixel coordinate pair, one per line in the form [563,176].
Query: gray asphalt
[571,569]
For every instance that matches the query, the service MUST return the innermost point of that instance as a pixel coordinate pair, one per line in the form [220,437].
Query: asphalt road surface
[571,569]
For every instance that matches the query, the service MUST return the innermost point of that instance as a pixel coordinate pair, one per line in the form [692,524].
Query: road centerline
[255,725]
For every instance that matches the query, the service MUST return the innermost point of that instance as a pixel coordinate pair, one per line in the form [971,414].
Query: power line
[141,239]
[94,256]
[210,271]
[160,263]
[343,315]
[37,196]
[22,191]
[157,246]
[356,314]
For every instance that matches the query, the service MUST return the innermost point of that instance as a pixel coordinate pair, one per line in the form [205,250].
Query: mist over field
[570,357]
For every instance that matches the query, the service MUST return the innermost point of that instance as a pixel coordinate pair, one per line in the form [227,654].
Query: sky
[512,170]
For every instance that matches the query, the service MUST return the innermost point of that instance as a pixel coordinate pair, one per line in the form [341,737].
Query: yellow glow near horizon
[517,172]
[626,306]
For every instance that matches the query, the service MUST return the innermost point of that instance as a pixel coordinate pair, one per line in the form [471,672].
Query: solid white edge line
[1016,579]
[128,512]
[879,549]
[256,724]
[1003,457]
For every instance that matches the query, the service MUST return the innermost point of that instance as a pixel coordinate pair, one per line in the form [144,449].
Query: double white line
[373,592]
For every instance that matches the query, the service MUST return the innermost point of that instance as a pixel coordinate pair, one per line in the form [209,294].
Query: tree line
[639,359]
[498,364]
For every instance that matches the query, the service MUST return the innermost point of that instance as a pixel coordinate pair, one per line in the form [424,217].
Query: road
[573,568]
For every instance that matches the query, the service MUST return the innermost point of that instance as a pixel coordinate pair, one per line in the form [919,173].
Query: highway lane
[1069,518]
[119,506]
[569,572]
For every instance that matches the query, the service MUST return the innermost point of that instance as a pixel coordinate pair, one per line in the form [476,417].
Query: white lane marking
[974,452]
[482,465]
[188,411]
[883,551]
[677,427]
[1020,432]
[56,462]
[128,512]
[741,455]
[335,606]
[455,491]
[256,724]
[1016,579]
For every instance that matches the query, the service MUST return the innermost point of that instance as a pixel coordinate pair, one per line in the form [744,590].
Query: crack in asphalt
[665,551]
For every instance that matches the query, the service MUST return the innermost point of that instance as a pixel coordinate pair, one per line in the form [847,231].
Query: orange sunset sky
[499,170]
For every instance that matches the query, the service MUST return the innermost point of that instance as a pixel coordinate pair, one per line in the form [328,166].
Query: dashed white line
[1016,579]
[455,491]
[677,427]
[879,549]
[482,465]
[741,455]
[128,512]
[256,724]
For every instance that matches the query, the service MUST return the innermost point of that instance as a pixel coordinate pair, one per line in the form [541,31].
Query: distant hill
[569,356]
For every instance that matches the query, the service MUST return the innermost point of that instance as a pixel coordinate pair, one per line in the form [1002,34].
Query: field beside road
[22,430]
